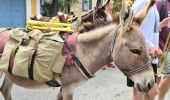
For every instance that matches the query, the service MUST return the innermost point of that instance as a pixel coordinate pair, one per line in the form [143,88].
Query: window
[87,5]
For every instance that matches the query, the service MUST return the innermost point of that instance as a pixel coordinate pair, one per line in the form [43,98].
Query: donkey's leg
[59,96]
[6,88]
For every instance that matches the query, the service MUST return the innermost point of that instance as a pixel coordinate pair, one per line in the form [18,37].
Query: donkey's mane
[88,26]
[97,33]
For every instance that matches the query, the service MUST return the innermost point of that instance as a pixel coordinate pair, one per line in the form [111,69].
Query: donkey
[121,43]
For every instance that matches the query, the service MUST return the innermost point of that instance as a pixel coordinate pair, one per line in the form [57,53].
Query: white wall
[29,8]
[38,7]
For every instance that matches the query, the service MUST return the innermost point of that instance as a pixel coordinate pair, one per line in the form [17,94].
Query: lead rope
[161,63]
[85,72]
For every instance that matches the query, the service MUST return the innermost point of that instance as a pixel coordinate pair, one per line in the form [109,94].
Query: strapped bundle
[49,26]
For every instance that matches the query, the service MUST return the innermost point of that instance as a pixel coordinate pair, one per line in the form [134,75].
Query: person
[150,28]
[163,8]
[107,5]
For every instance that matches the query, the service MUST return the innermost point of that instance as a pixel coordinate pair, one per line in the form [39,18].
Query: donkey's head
[130,53]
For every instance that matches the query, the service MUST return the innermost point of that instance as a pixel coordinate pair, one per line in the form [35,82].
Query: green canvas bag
[33,55]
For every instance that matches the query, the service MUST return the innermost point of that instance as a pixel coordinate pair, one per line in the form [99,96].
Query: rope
[165,54]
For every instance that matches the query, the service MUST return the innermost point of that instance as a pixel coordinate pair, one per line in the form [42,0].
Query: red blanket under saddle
[71,39]
[3,40]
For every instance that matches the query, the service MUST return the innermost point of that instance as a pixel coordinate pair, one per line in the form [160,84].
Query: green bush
[117,5]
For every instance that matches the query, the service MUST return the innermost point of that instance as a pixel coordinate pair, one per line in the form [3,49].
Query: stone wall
[77,8]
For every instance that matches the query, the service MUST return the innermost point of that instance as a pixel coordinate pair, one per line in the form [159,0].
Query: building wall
[77,8]
[13,13]
[32,8]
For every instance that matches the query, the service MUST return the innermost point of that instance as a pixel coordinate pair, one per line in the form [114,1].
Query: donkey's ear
[98,3]
[126,15]
[139,19]
[101,3]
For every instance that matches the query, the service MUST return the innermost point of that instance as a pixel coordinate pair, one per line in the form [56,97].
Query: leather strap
[31,58]
[12,56]
[85,72]
[53,83]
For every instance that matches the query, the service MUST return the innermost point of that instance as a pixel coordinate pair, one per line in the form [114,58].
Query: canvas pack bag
[33,55]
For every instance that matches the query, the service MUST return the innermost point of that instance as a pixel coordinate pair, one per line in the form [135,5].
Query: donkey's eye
[135,51]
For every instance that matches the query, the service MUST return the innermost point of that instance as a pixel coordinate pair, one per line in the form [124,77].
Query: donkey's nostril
[138,86]
[149,86]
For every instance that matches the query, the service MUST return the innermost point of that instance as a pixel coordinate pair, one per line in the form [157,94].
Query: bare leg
[137,95]
[59,96]
[6,89]
[67,93]
[152,93]
[158,79]
[163,87]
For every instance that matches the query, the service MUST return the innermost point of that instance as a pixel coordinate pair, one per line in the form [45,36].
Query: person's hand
[159,53]
[161,58]
[152,52]
[164,22]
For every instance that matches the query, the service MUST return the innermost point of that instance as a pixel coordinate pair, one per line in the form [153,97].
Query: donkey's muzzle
[144,87]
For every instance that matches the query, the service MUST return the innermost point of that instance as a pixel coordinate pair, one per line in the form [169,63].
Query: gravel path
[108,84]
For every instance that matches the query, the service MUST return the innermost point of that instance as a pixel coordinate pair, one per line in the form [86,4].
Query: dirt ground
[109,84]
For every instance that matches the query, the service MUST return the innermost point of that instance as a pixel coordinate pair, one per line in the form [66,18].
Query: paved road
[108,84]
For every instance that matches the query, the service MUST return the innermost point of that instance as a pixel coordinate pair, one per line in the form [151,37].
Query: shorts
[166,68]
[130,83]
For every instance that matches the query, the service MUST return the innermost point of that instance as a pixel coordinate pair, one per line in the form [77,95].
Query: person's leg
[163,87]
[152,93]
[137,95]
[154,90]
[164,83]
[158,79]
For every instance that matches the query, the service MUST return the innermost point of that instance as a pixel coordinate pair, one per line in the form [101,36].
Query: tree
[117,5]
[65,5]
[58,5]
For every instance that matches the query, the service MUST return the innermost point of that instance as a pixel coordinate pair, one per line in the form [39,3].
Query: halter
[130,71]
[138,69]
